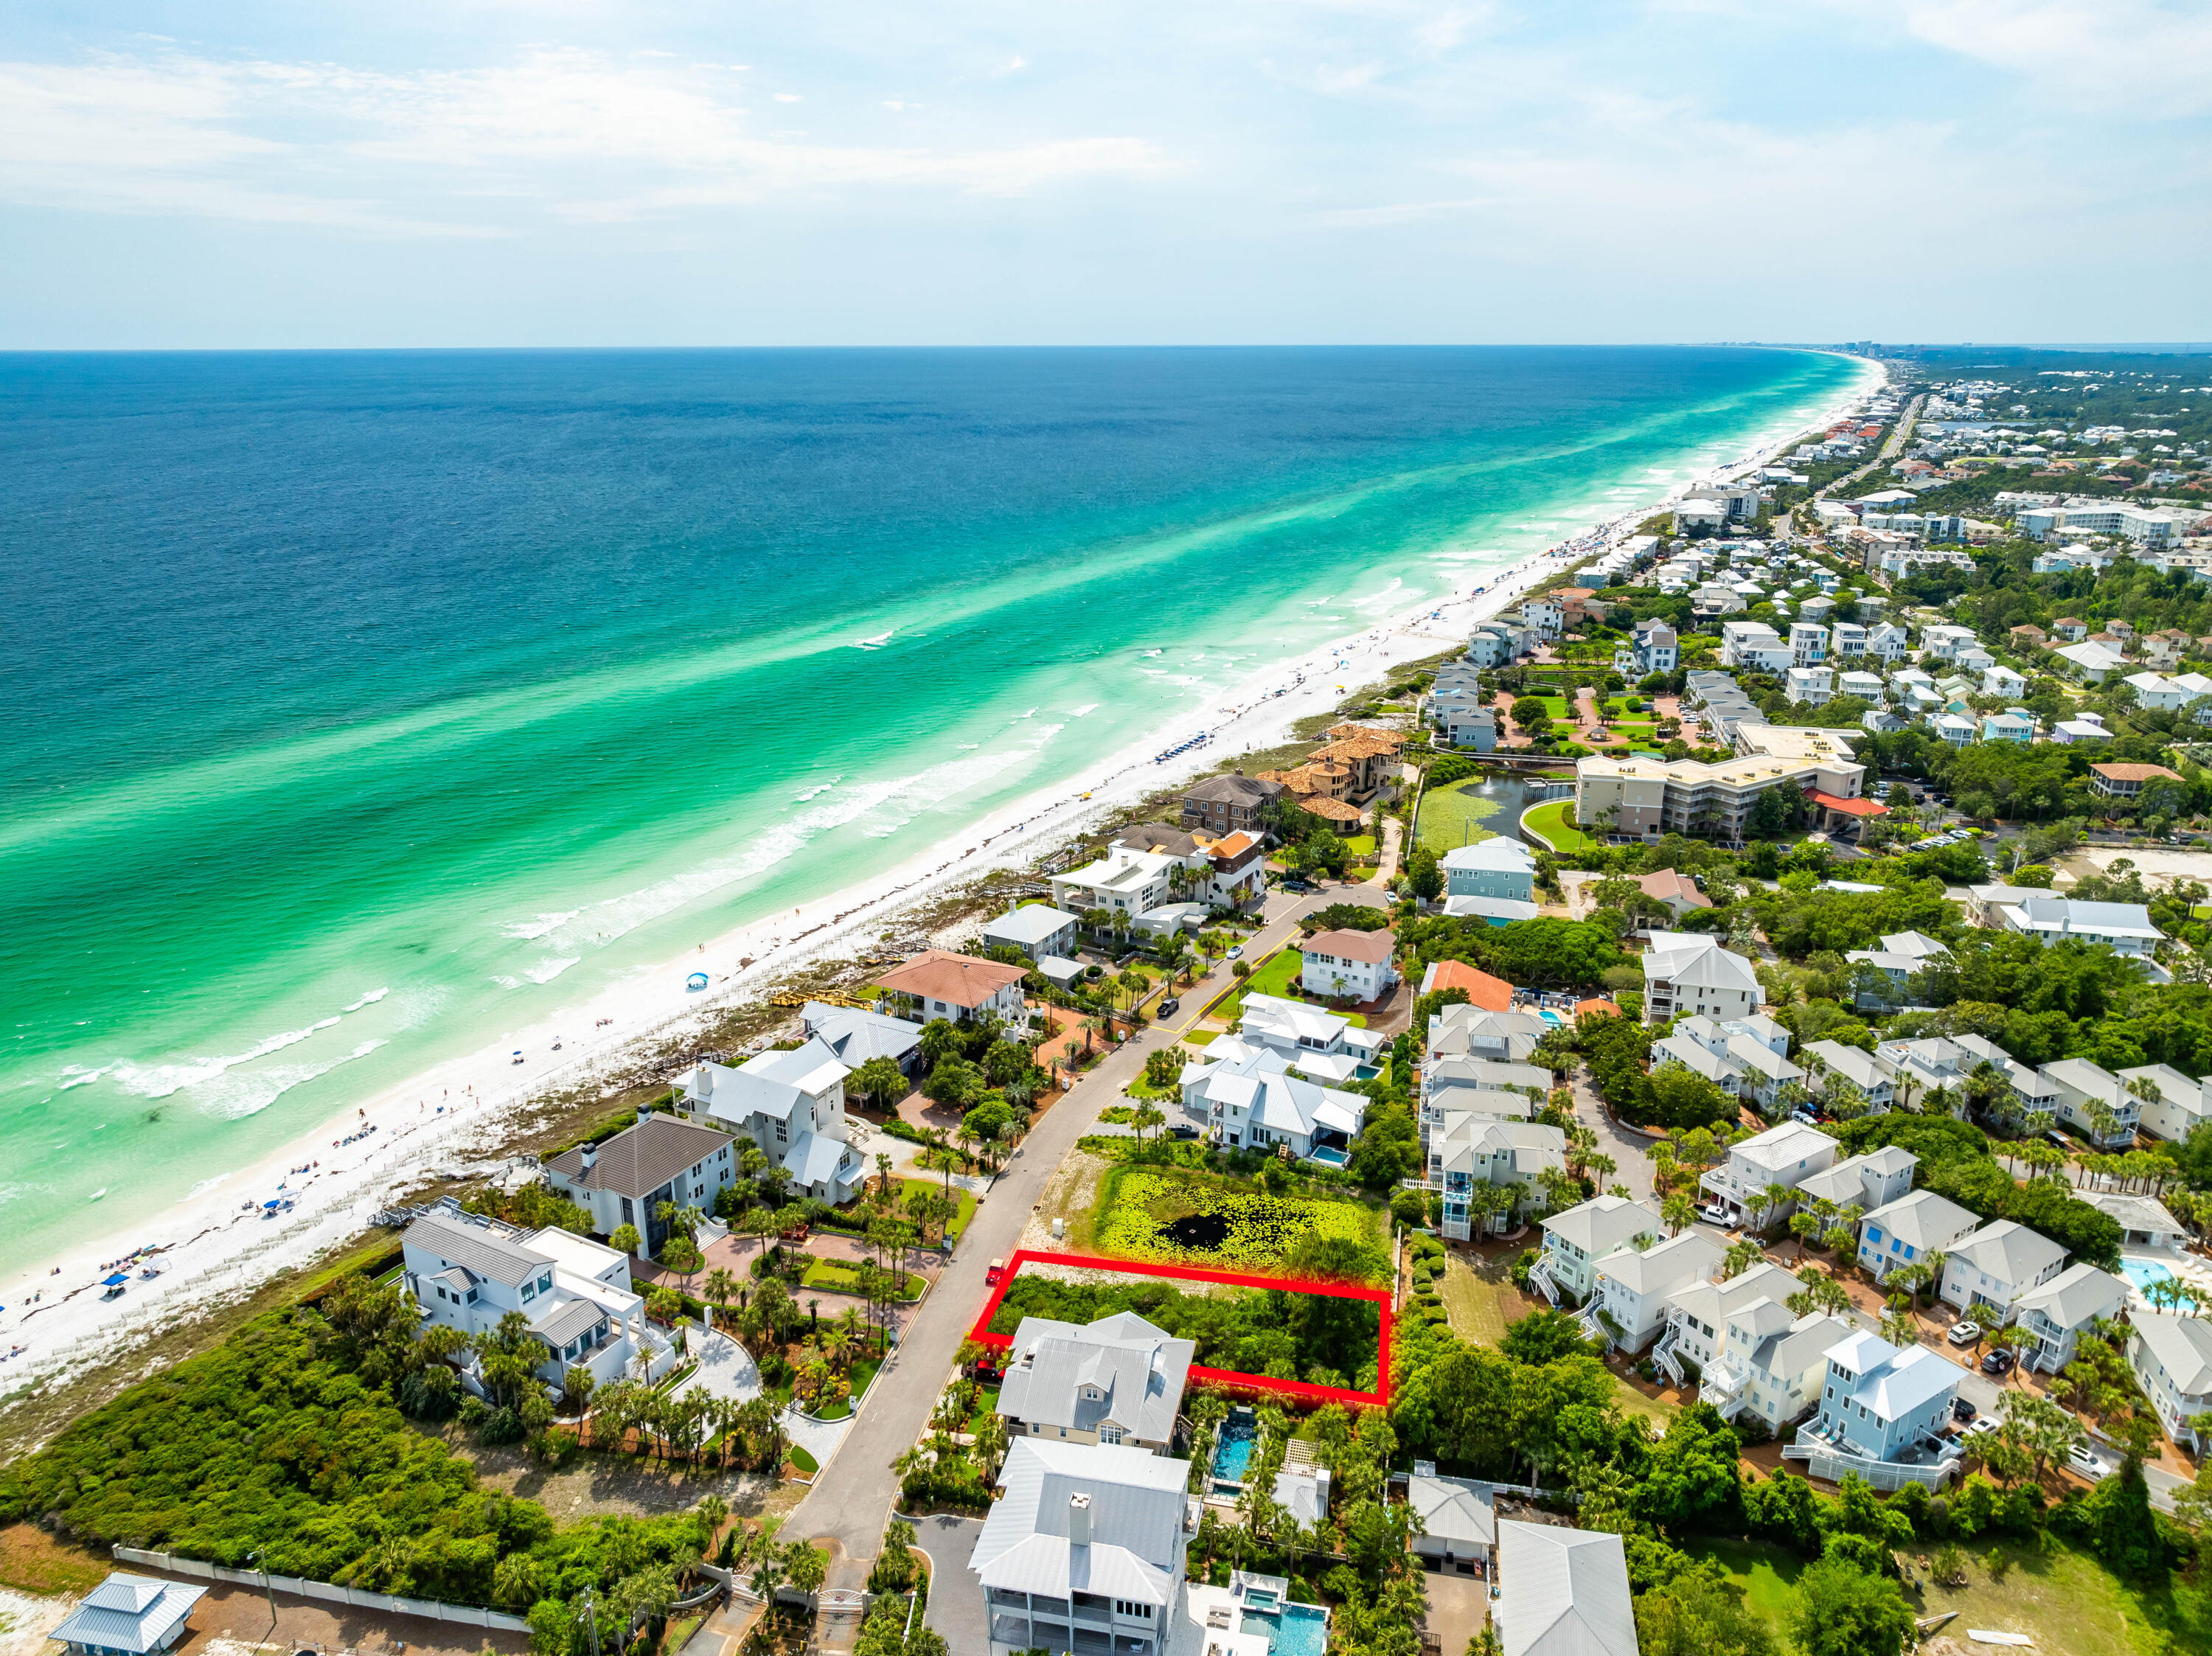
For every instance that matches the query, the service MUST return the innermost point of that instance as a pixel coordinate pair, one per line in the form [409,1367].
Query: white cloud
[575,132]
[2118,57]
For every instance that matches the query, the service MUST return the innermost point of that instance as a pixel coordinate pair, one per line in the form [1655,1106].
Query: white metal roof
[1563,1592]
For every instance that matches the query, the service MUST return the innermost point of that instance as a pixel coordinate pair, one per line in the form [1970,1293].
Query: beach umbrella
[118,1277]
[272,1203]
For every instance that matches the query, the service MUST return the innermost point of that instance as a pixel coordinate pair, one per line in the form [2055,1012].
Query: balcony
[1931,1462]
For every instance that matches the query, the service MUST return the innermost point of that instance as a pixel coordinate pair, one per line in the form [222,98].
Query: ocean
[370,704]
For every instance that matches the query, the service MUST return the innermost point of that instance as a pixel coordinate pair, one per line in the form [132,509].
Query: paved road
[1899,434]
[956,1596]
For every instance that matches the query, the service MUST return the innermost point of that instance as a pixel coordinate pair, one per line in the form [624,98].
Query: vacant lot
[1459,814]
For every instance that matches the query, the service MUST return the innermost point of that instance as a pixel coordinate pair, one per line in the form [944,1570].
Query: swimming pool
[2143,1272]
[1234,1452]
[1294,1630]
[1328,1156]
[1551,1017]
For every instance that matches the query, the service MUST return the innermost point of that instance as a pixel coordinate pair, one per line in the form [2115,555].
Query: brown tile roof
[1334,810]
[2133,773]
[1373,947]
[1666,885]
[1235,789]
[955,979]
[638,1161]
[1597,1009]
[1396,739]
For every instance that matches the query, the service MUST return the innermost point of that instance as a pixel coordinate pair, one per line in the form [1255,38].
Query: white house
[1459,1521]
[1985,1273]
[467,1273]
[1901,955]
[1814,686]
[2180,1103]
[1575,1239]
[1903,1233]
[1034,929]
[1633,1284]
[2172,1356]
[2091,663]
[1882,1408]
[2143,1221]
[1124,881]
[1783,1155]
[940,983]
[1562,1592]
[1690,972]
[791,1104]
[1497,867]
[2057,1312]
[2123,928]
[1086,1537]
[1860,1069]
[1252,1101]
[2082,1089]
[1117,1380]
[1470,1148]
[624,1180]
[856,1035]
[1865,1182]
[1348,965]
[128,1615]
[1308,1036]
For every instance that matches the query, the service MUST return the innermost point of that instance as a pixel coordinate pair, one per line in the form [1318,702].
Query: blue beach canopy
[272,1203]
[118,1277]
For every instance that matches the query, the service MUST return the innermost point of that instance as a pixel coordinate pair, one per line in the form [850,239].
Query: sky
[259,173]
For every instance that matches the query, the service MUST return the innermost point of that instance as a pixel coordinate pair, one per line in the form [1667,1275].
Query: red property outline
[1378,1398]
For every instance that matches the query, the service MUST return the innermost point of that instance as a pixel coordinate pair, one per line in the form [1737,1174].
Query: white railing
[1591,1327]
[328,1591]
[1663,1353]
[1827,1460]
[1723,1388]
[1539,1275]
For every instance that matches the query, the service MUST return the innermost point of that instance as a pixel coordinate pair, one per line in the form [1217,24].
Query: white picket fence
[328,1591]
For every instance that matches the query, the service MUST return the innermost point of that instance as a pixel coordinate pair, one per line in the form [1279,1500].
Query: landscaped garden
[1460,814]
[1147,1212]
[1549,823]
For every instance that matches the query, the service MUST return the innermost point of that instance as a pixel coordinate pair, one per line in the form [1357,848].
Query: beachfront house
[2172,1356]
[1348,965]
[792,1105]
[1985,1273]
[1117,1380]
[1784,1156]
[2056,1313]
[1033,930]
[938,983]
[467,1271]
[1562,1592]
[1226,804]
[662,1159]
[856,1035]
[1125,882]
[1083,1549]
[128,1615]
[1574,1241]
[1902,1234]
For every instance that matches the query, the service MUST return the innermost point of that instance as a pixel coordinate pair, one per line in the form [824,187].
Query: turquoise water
[1232,1453]
[370,705]
[1294,1630]
[2143,1272]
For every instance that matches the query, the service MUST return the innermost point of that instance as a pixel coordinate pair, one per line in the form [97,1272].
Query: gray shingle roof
[478,1250]
[1137,1369]
[638,1161]
[559,1324]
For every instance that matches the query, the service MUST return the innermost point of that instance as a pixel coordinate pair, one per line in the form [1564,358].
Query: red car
[998,1270]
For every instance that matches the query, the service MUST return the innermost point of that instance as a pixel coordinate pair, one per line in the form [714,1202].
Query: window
[1109,1434]
[1133,1610]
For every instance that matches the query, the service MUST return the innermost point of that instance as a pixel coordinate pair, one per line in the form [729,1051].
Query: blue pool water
[1328,1156]
[2143,1272]
[1294,1630]
[1234,1453]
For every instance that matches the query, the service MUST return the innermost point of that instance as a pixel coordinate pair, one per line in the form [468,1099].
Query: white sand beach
[224,1239]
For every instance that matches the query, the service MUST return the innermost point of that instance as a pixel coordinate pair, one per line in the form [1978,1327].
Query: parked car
[1236,951]
[1181,1131]
[1805,1117]
[1982,1428]
[1964,1333]
[1998,1362]
[1963,1411]
[1713,1214]
[2084,1460]
[1168,1008]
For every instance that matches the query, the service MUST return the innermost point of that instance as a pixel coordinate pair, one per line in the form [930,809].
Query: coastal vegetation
[1282,1334]
[1218,1218]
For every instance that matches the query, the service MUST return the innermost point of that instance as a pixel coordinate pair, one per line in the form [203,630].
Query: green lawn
[2060,1597]
[967,1202]
[1276,975]
[833,1279]
[1361,846]
[1548,822]
[804,1462]
[1458,813]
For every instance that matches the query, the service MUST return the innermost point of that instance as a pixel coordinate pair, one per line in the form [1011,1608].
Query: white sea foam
[877,642]
[1087,707]
[551,967]
[162,1079]
[818,789]
[249,1092]
[530,931]
[505,982]
[74,1076]
[368,999]
[205,1186]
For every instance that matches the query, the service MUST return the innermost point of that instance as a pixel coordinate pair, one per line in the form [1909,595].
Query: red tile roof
[1491,994]
[955,979]
[1849,807]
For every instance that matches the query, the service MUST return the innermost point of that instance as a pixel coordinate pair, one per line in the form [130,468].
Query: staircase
[1723,1388]
[1586,1319]
[1663,1353]
[1540,1277]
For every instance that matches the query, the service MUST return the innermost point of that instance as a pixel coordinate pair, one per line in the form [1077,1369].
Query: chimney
[703,1082]
[1079,1520]
[591,1156]
[644,1115]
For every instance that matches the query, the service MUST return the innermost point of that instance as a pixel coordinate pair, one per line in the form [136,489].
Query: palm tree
[721,1287]
[1680,1213]
[1772,1200]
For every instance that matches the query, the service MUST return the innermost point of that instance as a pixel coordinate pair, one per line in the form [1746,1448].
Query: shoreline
[214,1244]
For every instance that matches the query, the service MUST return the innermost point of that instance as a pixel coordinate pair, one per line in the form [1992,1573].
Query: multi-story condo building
[2056,1313]
[1647,798]
[1785,1155]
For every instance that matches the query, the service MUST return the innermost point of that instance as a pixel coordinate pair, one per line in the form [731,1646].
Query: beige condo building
[1647,798]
